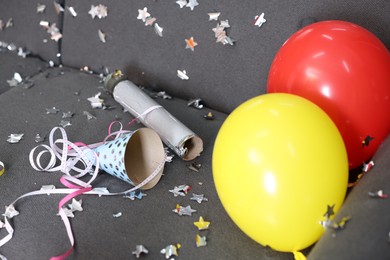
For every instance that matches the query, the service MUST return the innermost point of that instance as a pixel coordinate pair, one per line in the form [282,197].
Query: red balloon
[345,70]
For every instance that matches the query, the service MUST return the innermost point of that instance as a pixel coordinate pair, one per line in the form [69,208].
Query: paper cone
[132,157]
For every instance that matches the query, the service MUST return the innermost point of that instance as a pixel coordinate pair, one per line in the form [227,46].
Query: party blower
[185,143]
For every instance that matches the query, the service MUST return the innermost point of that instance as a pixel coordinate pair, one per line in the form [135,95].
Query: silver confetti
[89,115]
[213,16]
[23,53]
[170,250]
[48,188]
[184,211]
[199,198]
[181,190]
[197,103]
[65,123]
[58,8]
[102,36]
[52,110]
[140,249]
[158,30]
[39,139]
[96,101]
[143,14]
[14,138]
[41,8]
[68,114]
[99,11]
[72,11]
[182,74]
[259,20]
[76,205]
[181,3]
[191,4]
[117,215]
[15,81]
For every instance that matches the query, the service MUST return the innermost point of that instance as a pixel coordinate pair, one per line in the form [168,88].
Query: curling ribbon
[69,155]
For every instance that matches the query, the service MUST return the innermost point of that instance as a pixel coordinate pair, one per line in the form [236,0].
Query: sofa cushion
[222,75]
[12,63]
[26,30]
[150,221]
[366,235]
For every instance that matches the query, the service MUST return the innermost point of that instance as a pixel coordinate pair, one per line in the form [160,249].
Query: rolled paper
[133,157]
[184,142]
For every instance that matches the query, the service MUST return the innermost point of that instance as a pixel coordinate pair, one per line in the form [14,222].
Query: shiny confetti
[181,3]
[259,20]
[378,194]
[22,52]
[220,33]
[199,198]
[195,166]
[41,8]
[181,190]
[65,123]
[368,166]
[158,29]
[200,240]
[72,11]
[58,8]
[52,30]
[214,16]
[68,213]
[341,224]
[89,115]
[52,110]
[39,139]
[96,101]
[201,224]
[192,4]
[140,249]
[190,43]
[367,140]
[171,250]
[16,80]
[197,103]
[2,168]
[68,114]
[135,195]
[117,215]
[76,205]
[99,11]
[102,36]
[143,14]
[163,95]
[182,74]
[9,23]
[14,138]
[10,212]
[209,116]
[184,211]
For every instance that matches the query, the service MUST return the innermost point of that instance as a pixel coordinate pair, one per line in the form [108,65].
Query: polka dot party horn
[132,157]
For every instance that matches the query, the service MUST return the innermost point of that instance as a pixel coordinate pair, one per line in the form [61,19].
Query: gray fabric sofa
[65,73]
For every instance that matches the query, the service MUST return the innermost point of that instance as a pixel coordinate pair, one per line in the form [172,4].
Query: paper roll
[174,134]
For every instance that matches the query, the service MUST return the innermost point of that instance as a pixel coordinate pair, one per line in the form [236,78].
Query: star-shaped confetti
[184,211]
[200,240]
[135,195]
[214,16]
[65,123]
[89,115]
[68,114]
[76,205]
[68,212]
[329,211]
[41,8]
[199,198]
[259,20]
[171,250]
[96,101]
[367,140]
[117,215]
[197,103]
[181,3]
[99,11]
[14,138]
[195,166]
[140,249]
[191,4]
[158,29]
[182,74]
[190,43]
[143,14]
[10,212]
[201,224]
[52,110]
[181,190]
[209,116]
[378,194]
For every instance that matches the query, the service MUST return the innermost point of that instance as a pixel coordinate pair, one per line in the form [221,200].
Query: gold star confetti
[201,224]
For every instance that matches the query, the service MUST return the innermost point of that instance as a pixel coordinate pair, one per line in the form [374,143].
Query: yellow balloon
[280,168]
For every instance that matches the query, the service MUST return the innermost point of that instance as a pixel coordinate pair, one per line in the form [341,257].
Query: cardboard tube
[174,134]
